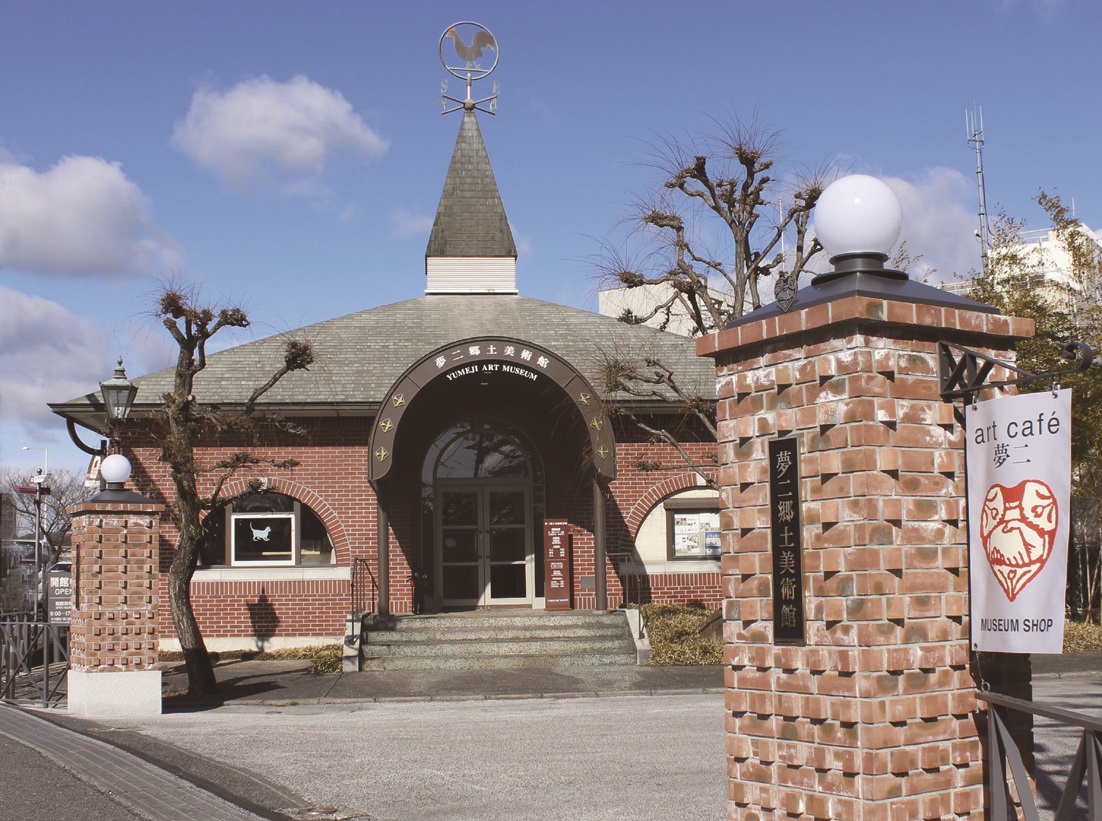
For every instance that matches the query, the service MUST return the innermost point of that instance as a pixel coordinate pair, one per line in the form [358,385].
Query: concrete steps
[495,639]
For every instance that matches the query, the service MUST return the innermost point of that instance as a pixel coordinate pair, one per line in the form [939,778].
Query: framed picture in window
[692,529]
[263,538]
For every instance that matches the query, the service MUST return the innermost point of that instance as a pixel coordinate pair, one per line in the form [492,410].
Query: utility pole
[40,489]
[39,564]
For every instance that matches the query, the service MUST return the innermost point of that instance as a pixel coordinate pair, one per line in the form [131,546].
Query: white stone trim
[229,644]
[672,568]
[320,573]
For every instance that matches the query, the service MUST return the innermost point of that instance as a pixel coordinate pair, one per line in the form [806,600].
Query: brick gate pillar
[872,716]
[113,651]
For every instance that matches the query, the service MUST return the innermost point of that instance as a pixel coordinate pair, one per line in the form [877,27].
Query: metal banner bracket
[963,372]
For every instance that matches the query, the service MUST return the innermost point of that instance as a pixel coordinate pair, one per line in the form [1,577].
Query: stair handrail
[361,572]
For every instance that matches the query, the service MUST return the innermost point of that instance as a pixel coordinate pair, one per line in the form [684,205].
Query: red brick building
[437,436]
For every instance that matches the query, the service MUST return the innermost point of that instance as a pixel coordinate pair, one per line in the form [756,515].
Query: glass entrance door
[485,538]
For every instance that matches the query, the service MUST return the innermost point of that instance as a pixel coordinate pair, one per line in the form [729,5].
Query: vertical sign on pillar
[784,517]
[557,550]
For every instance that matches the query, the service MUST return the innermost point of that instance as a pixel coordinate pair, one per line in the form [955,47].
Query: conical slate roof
[470,220]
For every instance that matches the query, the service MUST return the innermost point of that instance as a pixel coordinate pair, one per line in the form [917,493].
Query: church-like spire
[471,249]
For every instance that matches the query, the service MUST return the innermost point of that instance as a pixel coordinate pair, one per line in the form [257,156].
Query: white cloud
[47,354]
[82,217]
[937,222]
[262,132]
[524,243]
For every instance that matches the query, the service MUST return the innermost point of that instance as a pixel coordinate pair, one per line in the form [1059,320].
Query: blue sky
[289,155]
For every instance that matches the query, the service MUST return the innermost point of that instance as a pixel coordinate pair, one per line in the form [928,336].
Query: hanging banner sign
[1019,519]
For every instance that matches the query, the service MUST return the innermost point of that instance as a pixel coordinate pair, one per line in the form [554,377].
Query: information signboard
[557,547]
[59,596]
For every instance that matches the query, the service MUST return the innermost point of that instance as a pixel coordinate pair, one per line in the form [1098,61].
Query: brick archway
[495,355]
[664,489]
[280,484]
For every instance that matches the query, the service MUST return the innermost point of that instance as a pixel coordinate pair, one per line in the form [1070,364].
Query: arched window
[478,451]
[682,530]
[266,529]
[481,449]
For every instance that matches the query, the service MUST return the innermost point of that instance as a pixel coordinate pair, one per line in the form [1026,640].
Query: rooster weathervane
[472,45]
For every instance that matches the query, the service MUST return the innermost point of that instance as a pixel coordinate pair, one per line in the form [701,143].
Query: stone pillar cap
[878,284]
[125,497]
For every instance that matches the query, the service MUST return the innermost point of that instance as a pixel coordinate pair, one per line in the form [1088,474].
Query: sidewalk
[1068,664]
[108,774]
[283,682]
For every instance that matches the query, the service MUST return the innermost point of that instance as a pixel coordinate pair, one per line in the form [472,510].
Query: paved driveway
[638,758]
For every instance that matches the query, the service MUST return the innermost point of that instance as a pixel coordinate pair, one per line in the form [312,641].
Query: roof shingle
[360,356]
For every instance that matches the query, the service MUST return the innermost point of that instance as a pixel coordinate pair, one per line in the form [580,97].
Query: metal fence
[1006,770]
[34,658]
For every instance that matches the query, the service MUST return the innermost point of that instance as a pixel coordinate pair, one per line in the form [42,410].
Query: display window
[266,530]
[692,529]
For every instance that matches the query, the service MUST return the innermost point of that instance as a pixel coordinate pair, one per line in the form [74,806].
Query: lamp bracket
[963,372]
[70,425]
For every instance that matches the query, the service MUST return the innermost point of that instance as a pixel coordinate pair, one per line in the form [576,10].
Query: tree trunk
[200,670]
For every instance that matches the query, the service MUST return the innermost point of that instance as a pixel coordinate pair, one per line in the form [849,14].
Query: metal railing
[361,600]
[34,658]
[1002,751]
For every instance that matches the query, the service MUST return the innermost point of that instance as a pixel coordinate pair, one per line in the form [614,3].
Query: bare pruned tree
[650,379]
[722,219]
[65,489]
[185,420]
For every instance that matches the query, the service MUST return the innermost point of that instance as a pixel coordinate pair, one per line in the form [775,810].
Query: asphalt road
[599,759]
[1054,745]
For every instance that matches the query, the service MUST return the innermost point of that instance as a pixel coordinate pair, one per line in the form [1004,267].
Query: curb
[197,704]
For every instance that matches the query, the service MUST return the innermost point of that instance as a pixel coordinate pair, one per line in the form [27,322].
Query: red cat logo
[1018,528]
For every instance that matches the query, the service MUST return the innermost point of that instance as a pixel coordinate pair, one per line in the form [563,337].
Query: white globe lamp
[115,470]
[858,219]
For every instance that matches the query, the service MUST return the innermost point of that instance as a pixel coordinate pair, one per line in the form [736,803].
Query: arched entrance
[482,482]
[480,379]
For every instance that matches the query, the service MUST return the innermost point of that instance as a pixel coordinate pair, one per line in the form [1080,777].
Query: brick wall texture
[331,478]
[115,587]
[874,717]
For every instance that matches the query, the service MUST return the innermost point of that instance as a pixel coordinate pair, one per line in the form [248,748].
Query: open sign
[59,594]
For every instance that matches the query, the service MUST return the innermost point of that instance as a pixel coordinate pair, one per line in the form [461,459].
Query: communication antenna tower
[973,126]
